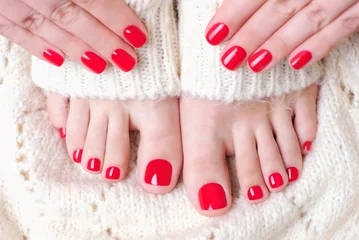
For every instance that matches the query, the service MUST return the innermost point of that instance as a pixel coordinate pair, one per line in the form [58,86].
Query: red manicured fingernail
[53,57]
[123,60]
[94,62]
[217,33]
[135,36]
[94,164]
[158,173]
[212,197]
[234,57]
[77,155]
[255,193]
[307,145]
[62,132]
[292,174]
[276,180]
[113,173]
[301,59]
[258,61]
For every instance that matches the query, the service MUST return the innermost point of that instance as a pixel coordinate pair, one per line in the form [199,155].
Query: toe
[57,107]
[94,150]
[272,166]
[287,141]
[77,127]
[159,158]
[117,152]
[305,121]
[250,177]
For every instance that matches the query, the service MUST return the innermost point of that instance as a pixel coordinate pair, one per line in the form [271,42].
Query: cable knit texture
[43,195]
[155,76]
[203,76]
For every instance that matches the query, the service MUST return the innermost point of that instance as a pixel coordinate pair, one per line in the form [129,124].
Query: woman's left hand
[265,32]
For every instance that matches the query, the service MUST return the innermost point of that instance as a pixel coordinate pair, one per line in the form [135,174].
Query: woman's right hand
[90,32]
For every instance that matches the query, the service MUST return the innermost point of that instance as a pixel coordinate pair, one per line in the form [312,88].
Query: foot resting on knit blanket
[268,139]
[97,137]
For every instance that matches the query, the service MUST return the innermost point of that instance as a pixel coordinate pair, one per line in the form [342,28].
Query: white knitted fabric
[154,77]
[43,195]
[203,76]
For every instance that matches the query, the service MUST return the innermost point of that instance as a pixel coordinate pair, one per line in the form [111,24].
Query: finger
[127,25]
[317,46]
[310,20]
[77,21]
[264,22]
[229,18]
[33,44]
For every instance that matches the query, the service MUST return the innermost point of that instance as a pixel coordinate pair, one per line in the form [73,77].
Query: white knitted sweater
[43,195]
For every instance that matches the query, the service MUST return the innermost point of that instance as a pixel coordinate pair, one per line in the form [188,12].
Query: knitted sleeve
[154,77]
[202,74]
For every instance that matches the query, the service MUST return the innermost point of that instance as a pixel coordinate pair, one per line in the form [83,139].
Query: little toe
[159,158]
[57,108]
[271,161]
[94,150]
[287,141]
[117,153]
[250,176]
[77,127]
[306,121]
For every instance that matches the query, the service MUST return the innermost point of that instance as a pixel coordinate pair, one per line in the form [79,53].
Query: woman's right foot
[267,143]
[97,137]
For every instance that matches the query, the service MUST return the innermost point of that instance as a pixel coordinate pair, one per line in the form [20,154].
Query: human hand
[265,32]
[87,31]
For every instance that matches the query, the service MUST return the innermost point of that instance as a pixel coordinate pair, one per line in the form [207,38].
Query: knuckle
[65,14]
[351,23]
[317,15]
[285,8]
[34,21]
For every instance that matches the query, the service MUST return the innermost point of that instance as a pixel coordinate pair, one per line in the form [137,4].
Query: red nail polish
[301,59]
[158,173]
[217,33]
[94,62]
[292,174]
[276,180]
[123,60]
[135,36]
[62,132]
[212,197]
[77,155]
[255,193]
[94,164]
[258,61]
[307,145]
[113,173]
[234,57]
[53,57]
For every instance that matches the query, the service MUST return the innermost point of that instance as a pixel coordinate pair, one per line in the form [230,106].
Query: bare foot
[267,141]
[97,137]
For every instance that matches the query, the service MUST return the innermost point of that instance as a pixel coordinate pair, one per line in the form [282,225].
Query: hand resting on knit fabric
[88,32]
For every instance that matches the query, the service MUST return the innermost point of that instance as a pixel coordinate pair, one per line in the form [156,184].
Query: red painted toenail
[258,61]
[135,36]
[307,145]
[77,155]
[255,193]
[62,132]
[217,33]
[113,173]
[94,164]
[292,174]
[158,173]
[276,180]
[234,57]
[212,197]
[301,59]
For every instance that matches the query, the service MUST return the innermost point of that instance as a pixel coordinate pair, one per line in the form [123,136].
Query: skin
[209,134]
